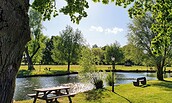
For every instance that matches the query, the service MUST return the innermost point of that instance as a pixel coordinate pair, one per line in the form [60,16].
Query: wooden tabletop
[51,89]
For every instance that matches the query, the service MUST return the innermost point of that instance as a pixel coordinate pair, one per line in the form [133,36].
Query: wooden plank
[50,89]
[49,97]
[33,95]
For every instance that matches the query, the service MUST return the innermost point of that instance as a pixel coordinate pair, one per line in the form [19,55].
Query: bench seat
[51,96]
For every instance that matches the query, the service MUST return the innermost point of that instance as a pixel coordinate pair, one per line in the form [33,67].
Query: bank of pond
[77,83]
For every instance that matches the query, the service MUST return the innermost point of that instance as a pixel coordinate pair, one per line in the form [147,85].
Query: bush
[109,79]
[99,84]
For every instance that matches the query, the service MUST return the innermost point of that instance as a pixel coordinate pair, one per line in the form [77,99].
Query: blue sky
[105,24]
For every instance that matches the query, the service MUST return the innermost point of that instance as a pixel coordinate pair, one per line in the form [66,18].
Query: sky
[104,25]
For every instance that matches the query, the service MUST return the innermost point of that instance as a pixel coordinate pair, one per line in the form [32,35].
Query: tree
[55,52]
[133,53]
[88,64]
[141,35]
[113,50]
[68,49]
[47,52]
[33,46]
[87,60]
[98,54]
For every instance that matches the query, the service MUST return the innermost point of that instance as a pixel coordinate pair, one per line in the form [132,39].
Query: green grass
[154,92]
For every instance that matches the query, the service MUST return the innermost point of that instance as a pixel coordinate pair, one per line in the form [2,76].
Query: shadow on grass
[144,86]
[95,95]
[166,85]
[123,97]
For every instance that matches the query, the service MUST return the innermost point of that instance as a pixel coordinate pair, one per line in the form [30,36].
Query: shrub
[109,79]
[98,84]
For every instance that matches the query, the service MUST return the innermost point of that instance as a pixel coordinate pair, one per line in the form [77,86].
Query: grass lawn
[154,92]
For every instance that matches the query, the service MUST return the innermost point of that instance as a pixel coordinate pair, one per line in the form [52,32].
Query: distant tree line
[69,47]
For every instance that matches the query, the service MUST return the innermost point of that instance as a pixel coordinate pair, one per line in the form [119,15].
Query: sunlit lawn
[154,92]
[63,68]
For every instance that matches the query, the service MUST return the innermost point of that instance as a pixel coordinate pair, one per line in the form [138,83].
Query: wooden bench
[50,94]
[51,97]
[141,79]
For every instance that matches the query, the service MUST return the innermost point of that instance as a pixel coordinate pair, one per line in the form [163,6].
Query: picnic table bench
[50,94]
[141,79]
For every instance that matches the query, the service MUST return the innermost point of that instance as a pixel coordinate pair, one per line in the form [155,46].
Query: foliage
[56,53]
[88,65]
[109,79]
[47,52]
[141,36]
[113,51]
[98,84]
[87,60]
[98,54]
[74,8]
[96,79]
[37,38]
[68,46]
[32,48]
[133,53]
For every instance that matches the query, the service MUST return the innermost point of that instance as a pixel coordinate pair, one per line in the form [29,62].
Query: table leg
[70,100]
[45,96]
[34,101]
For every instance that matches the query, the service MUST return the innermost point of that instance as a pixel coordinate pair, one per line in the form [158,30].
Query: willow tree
[67,47]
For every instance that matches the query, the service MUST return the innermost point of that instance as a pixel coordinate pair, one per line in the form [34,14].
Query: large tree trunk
[68,67]
[29,60]
[14,34]
[160,72]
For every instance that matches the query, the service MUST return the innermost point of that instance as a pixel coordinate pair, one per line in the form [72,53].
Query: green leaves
[46,7]
[75,9]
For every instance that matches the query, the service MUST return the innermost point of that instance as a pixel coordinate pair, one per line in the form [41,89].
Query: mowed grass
[154,92]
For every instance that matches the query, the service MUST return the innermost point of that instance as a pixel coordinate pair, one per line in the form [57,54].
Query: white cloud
[114,30]
[98,29]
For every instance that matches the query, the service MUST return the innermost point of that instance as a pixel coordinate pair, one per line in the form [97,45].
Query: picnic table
[50,94]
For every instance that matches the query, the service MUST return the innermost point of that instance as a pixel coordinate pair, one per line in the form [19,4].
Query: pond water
[25,86]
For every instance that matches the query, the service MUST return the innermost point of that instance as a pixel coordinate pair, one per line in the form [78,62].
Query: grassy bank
[154,92]
[61,69]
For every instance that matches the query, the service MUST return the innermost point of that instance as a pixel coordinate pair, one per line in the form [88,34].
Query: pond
[25,86]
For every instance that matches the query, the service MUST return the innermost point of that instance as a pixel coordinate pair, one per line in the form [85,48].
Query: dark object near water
[141,79]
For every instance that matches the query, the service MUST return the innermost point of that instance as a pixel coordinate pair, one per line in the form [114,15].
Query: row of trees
[68,47]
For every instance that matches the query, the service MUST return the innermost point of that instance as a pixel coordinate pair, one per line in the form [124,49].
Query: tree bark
[14,34]
[29,60]
[68,67]
[160,73]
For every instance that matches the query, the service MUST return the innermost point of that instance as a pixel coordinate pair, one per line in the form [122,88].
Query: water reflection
[25,86]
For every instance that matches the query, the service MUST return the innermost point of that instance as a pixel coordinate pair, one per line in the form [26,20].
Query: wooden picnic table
[50,94]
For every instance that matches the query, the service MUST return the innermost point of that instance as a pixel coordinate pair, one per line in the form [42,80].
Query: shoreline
[63,74]
[46,75]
